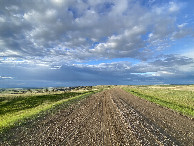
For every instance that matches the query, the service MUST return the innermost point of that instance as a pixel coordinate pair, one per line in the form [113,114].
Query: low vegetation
[178,98]
[16,109]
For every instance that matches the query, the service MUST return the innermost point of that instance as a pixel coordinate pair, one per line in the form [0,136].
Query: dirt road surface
[111,117]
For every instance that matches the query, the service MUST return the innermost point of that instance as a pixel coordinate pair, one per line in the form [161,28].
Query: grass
[178,99]
[15,110]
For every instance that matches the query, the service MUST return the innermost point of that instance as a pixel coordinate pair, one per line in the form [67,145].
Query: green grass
[179,100]
[15,110]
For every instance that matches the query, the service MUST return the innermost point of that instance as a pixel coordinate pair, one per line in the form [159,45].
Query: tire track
[78,130]
[145,132]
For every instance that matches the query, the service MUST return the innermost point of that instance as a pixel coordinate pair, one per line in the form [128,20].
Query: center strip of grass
[16,110]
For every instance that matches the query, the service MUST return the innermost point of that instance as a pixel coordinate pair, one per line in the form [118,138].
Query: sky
[55,43]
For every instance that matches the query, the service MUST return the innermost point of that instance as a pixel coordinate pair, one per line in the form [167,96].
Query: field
[179,98]
[15,109]
[111,117]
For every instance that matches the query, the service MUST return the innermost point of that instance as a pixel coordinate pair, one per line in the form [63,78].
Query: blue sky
[87,42]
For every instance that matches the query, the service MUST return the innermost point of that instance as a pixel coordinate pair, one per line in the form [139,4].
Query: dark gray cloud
[180,70]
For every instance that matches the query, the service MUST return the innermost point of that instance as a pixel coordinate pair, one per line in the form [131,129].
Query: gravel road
[111,117]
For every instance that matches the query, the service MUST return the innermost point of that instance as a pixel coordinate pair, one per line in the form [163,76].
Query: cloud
[45,42]
[3,77]
[173,7]
[70,30]
[127,44]
[183,32]
[165,69]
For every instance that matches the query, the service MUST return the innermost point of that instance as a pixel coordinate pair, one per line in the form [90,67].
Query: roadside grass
[15,110]
[181,101]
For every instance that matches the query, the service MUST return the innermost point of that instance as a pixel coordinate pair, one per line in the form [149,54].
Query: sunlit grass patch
[16,110]
[179,100]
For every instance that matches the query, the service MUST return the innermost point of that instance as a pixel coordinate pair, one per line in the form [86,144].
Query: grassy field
[16,109]
[179,98]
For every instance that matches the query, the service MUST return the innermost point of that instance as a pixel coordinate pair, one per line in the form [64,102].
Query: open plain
[110,117]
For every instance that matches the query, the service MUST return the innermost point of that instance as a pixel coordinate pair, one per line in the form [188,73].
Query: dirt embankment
[111,117]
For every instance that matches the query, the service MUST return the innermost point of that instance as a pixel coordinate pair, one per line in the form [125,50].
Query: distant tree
[29,90]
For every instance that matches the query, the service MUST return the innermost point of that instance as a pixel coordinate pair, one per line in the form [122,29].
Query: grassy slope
[179,100]
[16,110]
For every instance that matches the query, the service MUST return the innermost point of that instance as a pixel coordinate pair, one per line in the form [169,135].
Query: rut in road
[111,117]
